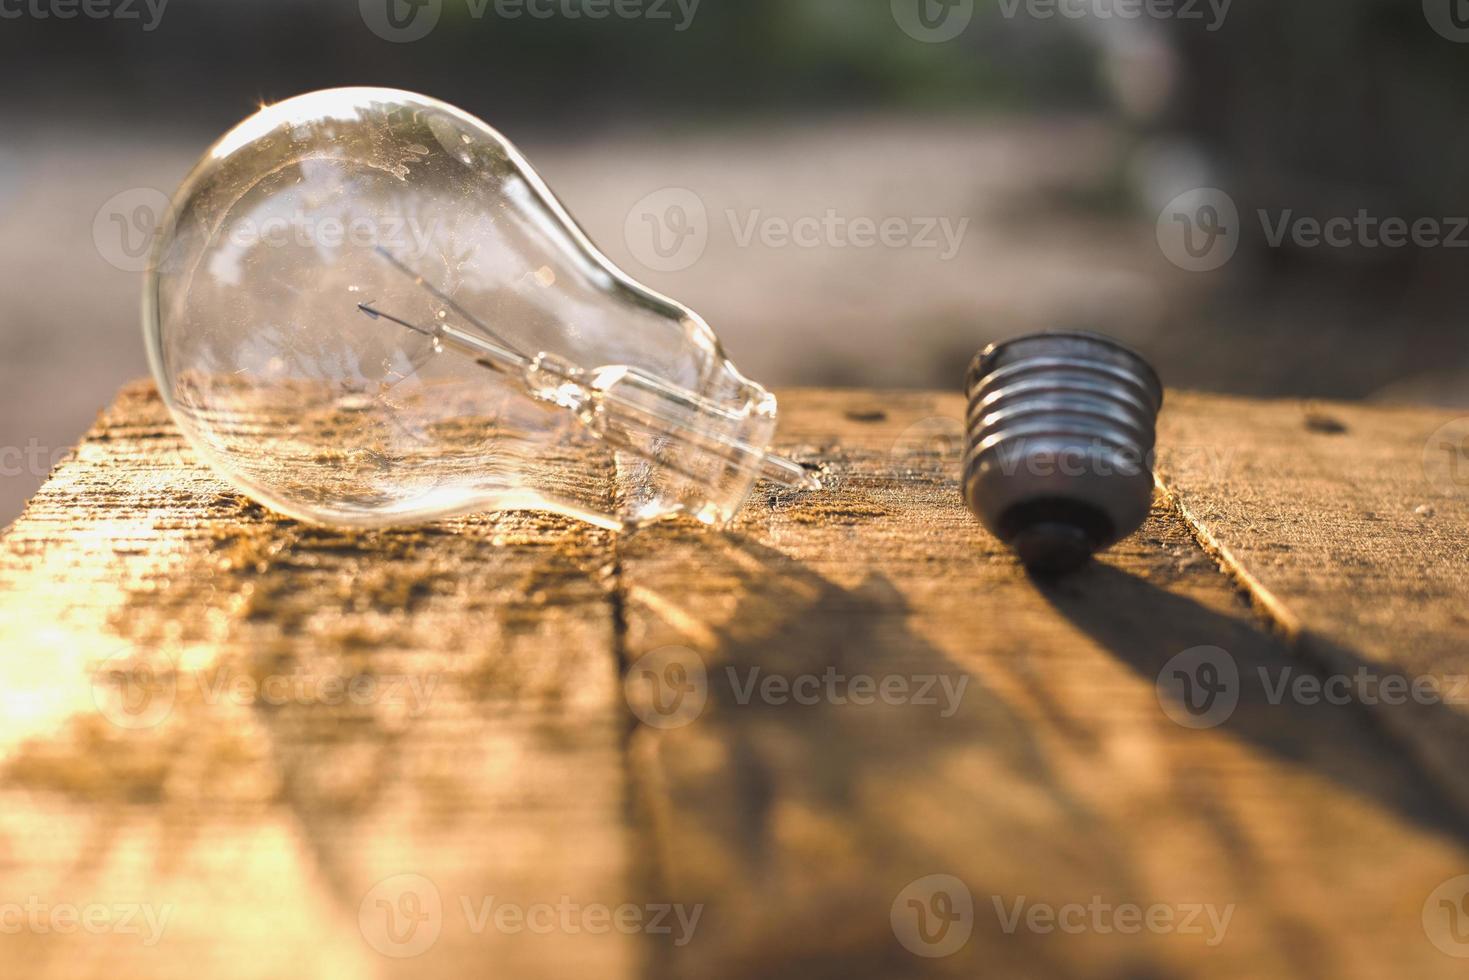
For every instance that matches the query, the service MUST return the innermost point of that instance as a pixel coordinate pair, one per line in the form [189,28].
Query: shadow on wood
[1145,627]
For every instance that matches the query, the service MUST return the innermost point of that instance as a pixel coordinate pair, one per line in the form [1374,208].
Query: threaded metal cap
[1060,434]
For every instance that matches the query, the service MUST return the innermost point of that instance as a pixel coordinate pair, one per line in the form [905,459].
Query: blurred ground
[1045,246]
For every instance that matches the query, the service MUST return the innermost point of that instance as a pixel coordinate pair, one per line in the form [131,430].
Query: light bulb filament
[442,297]
[376,314]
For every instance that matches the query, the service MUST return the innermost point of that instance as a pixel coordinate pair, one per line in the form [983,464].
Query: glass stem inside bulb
[626,407]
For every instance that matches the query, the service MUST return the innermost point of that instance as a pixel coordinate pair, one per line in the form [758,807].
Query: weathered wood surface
[546,715]
[1350,526]
[254,798]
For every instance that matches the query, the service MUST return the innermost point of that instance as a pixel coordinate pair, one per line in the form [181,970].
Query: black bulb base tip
[1055,536]
[1053,549]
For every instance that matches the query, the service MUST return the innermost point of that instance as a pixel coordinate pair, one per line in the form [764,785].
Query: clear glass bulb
[365,308]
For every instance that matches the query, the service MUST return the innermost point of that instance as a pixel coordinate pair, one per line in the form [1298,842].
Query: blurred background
[853,192]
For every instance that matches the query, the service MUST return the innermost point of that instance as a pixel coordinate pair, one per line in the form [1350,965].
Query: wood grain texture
[266,729]
[1350,526]
[1058,778]
[548,715]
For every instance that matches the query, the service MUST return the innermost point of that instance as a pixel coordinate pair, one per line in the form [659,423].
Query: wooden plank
[1350,526]
[259,733]
[1057,781]
[1046,775]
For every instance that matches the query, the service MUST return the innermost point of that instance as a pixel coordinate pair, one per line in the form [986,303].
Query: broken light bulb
[365,308]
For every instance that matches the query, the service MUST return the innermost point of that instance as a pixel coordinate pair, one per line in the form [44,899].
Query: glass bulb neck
[695,437]
[719,445]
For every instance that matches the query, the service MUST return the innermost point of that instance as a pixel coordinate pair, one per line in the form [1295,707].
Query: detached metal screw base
[1060,435]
